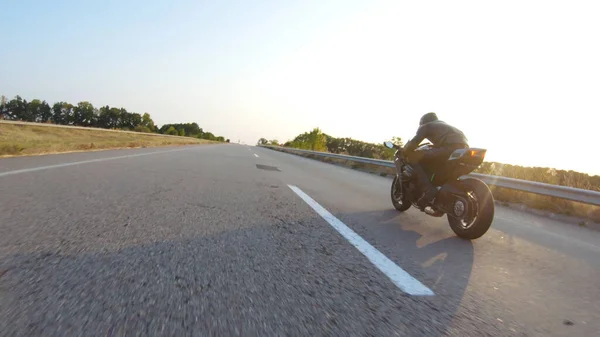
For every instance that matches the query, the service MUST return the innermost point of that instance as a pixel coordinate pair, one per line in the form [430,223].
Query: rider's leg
[425,186]
[431,162]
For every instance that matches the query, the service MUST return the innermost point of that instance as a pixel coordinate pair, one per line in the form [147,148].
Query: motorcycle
[467,202]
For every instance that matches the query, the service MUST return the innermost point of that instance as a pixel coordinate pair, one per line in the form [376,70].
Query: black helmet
[428,117]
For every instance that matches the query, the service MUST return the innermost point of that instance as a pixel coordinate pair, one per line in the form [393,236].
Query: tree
[136,119]
[227,141]
[104,120]
[114,116]
[190,129]
[129,120]
[84,114]
[209,136]
[274,142]
[125,121]
[32,111]
[16,109]
[171,131]
[62,113]
[148,122]
[314,140]
[319,141]
[262,141]
[3,110]
[37,111]
[45,112]
[397,141]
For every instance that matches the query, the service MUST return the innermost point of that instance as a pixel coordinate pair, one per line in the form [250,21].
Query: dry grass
[542,202]
[549,176]
[19,140]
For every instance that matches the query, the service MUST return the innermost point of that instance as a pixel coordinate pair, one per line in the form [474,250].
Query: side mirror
[389,145]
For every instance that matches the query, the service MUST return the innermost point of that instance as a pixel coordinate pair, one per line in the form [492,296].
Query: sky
[520,78]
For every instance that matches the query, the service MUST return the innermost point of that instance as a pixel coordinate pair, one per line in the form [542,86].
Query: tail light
[477,153]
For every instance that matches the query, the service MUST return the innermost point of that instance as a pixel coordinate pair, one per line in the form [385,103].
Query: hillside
[31,139]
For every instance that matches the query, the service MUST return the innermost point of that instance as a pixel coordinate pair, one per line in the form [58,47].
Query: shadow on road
[282,278]
[426,248]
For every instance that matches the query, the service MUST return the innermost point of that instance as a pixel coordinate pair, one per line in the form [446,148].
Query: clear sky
[521,78]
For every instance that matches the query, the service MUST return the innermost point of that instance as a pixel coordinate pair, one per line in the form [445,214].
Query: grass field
[19,140]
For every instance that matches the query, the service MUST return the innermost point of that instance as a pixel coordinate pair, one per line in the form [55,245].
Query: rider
[445,139]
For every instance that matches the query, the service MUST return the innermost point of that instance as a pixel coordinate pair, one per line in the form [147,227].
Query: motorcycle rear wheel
[480,222]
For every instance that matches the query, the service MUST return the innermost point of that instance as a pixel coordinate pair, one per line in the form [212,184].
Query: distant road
[234,240]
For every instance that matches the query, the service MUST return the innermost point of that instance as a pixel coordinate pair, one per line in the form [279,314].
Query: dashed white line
[39,168]
[397,275]
[256,155]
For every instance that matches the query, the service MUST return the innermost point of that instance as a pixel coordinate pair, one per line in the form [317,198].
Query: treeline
[190,130]
[316,140]
[86,115]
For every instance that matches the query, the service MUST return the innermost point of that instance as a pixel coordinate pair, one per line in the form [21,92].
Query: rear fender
[449,190]
[448,194]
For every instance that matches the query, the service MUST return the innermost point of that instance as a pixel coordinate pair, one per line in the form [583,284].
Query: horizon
[520,79]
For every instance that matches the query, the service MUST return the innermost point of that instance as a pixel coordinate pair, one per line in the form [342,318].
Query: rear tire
[484,213]
[399,199]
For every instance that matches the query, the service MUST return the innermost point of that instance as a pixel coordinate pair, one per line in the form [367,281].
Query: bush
[140,128]
[209,136]
[172,131]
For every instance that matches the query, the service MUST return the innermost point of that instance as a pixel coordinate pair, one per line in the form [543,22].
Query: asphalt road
[201,241]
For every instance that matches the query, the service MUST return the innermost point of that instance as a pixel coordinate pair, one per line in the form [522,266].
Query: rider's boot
[429,191]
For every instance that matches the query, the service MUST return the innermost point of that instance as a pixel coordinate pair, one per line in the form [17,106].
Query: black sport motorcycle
[467,202]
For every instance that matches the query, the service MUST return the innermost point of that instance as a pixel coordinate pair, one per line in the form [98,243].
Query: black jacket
[439,133]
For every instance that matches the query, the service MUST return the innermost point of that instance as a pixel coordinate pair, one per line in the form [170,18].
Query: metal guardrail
[557,191]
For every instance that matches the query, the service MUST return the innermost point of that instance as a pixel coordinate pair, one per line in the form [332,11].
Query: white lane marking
[40,168]
[399,277]
[256,155]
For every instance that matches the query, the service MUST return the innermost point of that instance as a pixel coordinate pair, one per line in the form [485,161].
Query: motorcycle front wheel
[399,199]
